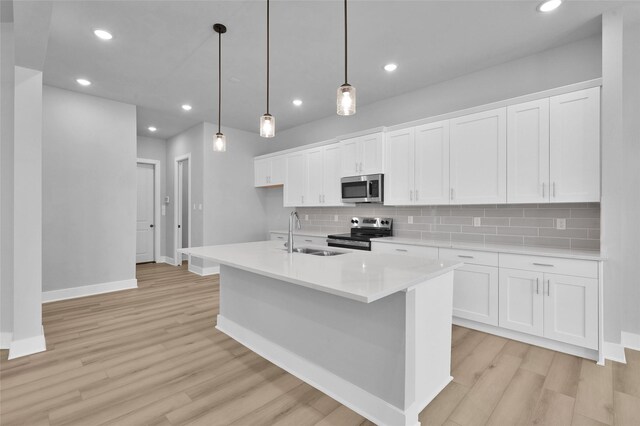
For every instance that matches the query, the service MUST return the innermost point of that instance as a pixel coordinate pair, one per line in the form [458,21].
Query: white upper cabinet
[528,152]
[417,165]
[315,179]
[295,186]
[362,155]
[431,153]
[332,190]
[575,146]
[399,167]
[269,171]
[478,155]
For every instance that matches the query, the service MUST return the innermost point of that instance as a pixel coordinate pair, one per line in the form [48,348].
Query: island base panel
[385,360]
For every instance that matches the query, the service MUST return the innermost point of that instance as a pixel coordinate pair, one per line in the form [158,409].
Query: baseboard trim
[166,259]
[28,346]
[630,340]
[614,352]
[203,272]
[5,339]
[88,290]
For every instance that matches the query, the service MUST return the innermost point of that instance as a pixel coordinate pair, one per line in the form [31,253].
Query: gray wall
[7,89]
[522,224]
[189,141]
[570,63]
[235,210]
[89,203]
[631,179]
[156,149]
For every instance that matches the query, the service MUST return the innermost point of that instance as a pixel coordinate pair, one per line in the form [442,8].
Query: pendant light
[346,100]
[267,121]
[219,140]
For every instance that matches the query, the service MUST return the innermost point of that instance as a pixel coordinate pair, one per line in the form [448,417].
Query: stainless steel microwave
[363,189]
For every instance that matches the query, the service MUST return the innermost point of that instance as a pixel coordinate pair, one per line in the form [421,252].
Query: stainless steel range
[363,229]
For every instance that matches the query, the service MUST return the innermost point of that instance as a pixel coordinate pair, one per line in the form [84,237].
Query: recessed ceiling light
[297,102]
[186,107]
[83,82]
[103,35]
[549,5]
[152,129]
[390,67]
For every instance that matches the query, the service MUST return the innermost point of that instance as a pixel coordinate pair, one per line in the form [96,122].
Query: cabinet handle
[554,190]
[302,196]
[319,198]
[403,250]
[452,194]
[356,163]
[360,167]
[464,256]
[543,264]
[417,195]
[280,238]
[537,285]
[309,241]
[410,195]
[542,189]
[548,287]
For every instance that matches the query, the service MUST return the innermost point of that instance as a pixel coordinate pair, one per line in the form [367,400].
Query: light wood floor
[152,356]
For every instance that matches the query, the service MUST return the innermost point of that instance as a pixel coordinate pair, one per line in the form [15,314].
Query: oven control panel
[372,222]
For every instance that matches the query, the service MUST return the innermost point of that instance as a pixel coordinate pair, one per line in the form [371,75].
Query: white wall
[156,149]
[89,203]
[27,232]
[631,179]
[570,63]
[7,90]
[234,209]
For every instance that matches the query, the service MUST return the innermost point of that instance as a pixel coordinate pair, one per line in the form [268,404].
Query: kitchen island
[373,331]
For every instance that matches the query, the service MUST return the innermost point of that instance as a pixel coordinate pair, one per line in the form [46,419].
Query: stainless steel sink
[317,252]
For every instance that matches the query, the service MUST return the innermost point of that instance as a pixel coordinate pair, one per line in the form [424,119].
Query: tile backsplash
[517,224]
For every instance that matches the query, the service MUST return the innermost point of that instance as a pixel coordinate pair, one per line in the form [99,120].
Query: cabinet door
[520,301]
[528,152]
[350,158]
[261,172]
[475,293]
[571,310]
[575,146]
[399,157]
[478,145]
[371,152]
[278,169]
[295,186]
[315,177]
[432,163]
[332,195]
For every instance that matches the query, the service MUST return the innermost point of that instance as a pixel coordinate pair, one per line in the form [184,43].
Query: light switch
[561,223]
[477,221]
[410,219]
[194,206]
[335,218]
[199,206]
[163,210]
[306,217]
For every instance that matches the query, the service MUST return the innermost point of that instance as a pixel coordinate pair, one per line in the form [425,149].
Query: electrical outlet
[410,219]
[335,218]
[561,223]
[306,217]
[477,221]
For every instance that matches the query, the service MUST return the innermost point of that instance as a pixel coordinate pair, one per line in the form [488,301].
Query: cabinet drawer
[472,257]
[554,265]
[302,240]
[421,251]
[279,237]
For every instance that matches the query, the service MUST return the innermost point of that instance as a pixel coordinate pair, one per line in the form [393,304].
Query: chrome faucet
[290,239]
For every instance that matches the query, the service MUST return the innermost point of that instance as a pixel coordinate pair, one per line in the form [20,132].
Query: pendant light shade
[219,140]
[267,121]
[267,126]
[346,99]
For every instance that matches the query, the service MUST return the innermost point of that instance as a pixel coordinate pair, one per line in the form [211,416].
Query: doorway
[182,212]
[147,211]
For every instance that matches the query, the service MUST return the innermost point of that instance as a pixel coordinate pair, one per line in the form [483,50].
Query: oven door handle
[348,242]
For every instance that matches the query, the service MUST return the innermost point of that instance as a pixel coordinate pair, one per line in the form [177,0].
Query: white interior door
[180,203]
[145,214]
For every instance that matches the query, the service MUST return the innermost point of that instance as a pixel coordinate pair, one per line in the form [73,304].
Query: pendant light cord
[219,78]
[267,56]
[345,41]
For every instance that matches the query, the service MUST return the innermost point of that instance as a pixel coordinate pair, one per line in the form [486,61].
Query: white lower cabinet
[422,251]
[299,240]
[558,307]
[475,293]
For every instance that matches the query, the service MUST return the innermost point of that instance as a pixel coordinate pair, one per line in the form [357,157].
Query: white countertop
[498,248]
[359,275]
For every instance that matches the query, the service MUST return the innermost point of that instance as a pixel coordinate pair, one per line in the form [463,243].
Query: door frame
[178,159]
[157,232]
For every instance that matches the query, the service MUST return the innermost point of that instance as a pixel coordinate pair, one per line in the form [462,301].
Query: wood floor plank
[342,416]
[627,411]
[538,360]
[564,374]
[627,376]
[553,409]
[439,410]
[580,420]
[519,399]
[471,368]
[594,397]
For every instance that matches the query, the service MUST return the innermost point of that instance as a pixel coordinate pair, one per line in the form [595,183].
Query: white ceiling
[164,53]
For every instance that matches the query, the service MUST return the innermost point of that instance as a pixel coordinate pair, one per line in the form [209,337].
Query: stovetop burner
[363,229]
